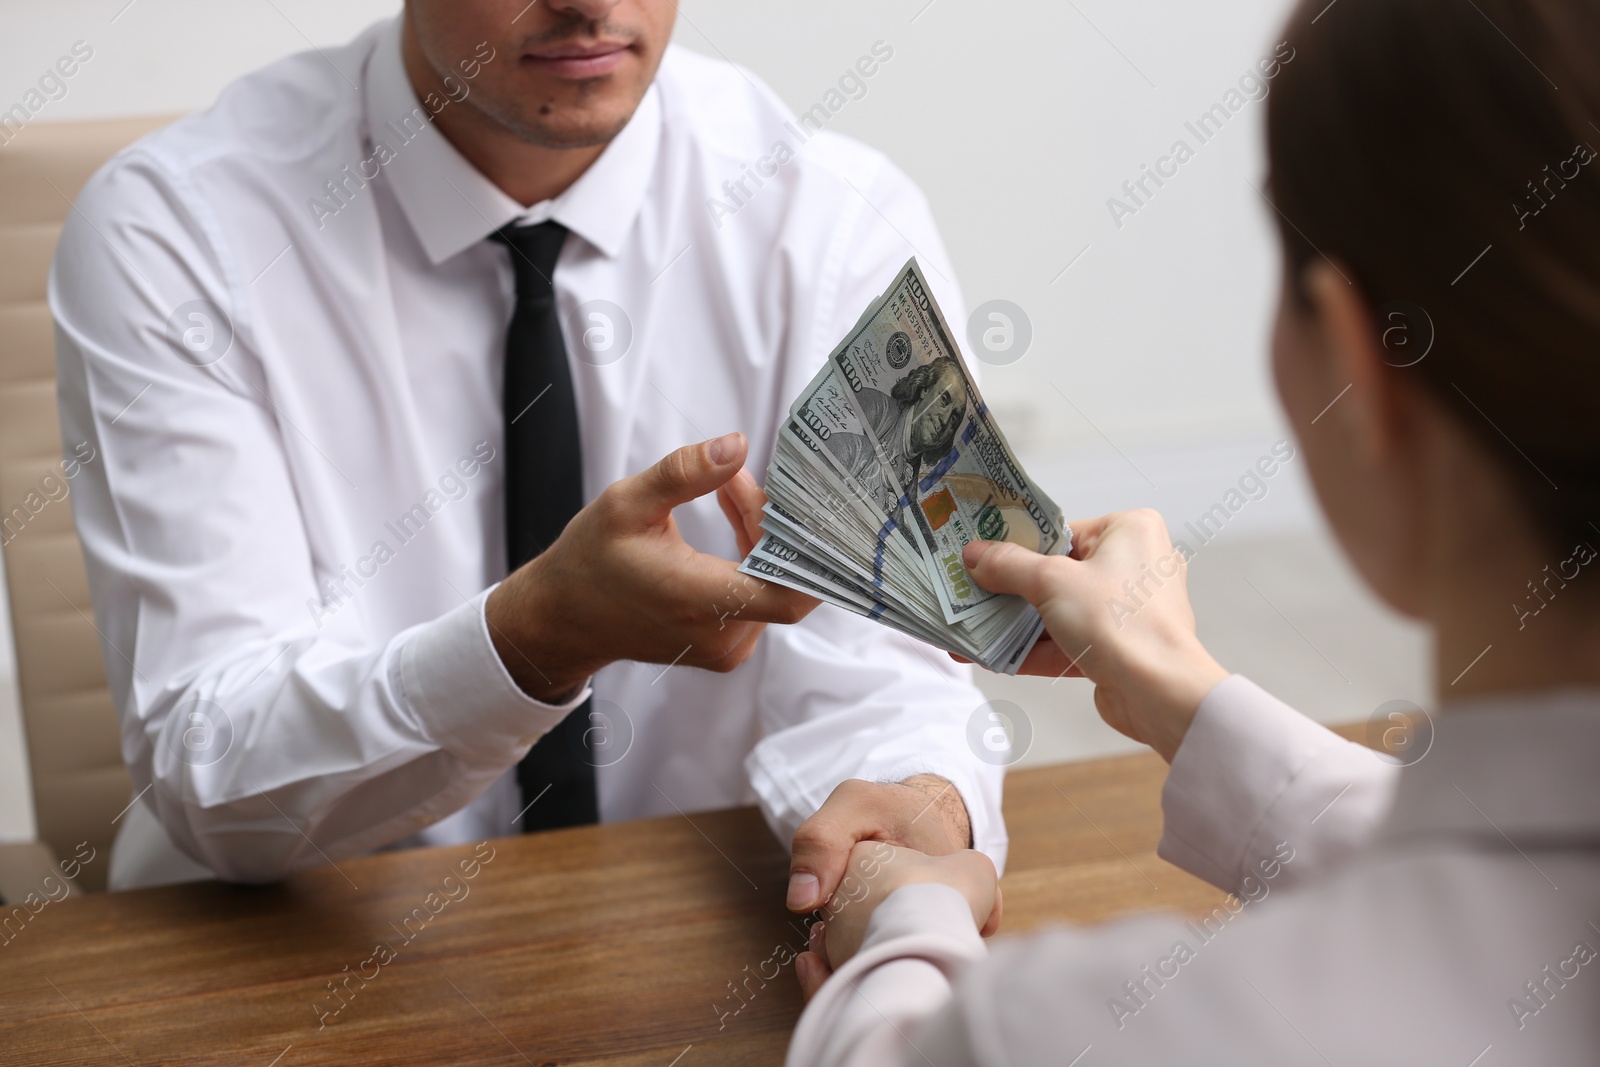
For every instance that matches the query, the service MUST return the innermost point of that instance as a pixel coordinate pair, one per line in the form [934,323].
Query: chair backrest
[74,752]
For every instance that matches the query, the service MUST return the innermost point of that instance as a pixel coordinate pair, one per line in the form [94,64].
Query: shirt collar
[1513,772]
[450,203]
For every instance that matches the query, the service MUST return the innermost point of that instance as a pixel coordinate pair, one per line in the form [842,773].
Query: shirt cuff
[1243,751]
[984,819]
[465,700]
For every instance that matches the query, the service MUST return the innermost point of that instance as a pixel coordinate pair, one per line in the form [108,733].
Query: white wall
[156,56]
[1020,118]
[1146,381]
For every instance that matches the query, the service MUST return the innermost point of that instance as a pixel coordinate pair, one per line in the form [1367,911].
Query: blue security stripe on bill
[891,420]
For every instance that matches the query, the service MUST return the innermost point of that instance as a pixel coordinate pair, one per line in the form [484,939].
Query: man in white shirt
[283,323]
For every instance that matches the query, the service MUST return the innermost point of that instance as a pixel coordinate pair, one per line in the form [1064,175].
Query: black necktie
[544,489]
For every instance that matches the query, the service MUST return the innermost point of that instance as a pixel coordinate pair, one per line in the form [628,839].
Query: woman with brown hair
[1437,350]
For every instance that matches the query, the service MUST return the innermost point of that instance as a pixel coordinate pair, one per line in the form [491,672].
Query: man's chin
[572,130]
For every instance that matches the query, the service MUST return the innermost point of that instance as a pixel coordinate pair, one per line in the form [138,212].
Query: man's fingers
[747,499]
[742,650]
[730,511]
[822,844]
[748,598]
[690,472]
[741,500]
[783,605]
[727,610]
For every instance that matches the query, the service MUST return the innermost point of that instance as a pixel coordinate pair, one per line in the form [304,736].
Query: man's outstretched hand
[924,812]
[621,583]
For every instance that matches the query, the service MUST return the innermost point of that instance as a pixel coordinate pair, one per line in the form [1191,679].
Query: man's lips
[580,61]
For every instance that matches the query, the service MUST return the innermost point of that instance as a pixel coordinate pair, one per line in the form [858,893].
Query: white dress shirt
[1455,920]
[292,534]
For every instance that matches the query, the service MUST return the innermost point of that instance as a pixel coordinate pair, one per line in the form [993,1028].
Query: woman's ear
[1373,407]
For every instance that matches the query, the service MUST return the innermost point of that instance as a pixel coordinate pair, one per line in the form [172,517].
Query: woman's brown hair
[1442,154]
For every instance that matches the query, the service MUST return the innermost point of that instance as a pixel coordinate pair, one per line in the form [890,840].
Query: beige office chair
[74,752]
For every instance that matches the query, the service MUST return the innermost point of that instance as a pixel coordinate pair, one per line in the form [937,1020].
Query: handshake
[1150,675]
[874,871]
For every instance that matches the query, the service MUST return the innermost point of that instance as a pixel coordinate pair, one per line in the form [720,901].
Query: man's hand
[924,812]
[1118,613]
[876,870]
[621,583]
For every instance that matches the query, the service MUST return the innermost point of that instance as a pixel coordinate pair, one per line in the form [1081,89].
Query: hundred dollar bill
[887,466]
[922,444]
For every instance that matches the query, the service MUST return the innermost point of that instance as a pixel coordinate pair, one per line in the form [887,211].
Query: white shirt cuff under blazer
[281,324]
[1443,913]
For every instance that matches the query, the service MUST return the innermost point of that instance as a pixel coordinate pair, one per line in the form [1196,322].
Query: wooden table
[619,944]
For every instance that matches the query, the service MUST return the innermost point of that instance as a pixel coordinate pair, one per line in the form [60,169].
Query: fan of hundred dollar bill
[889,463]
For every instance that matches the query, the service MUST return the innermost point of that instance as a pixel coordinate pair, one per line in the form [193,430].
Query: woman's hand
[877,869]
[1117,611]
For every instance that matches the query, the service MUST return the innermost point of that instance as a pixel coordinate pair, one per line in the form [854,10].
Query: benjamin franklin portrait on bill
[915,424]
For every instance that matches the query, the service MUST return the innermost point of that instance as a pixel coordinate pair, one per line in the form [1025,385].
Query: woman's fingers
[1047,660]
[1002,567]
[812,970]
[1086,534]
[992,926]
